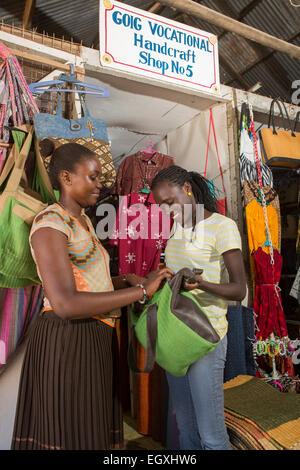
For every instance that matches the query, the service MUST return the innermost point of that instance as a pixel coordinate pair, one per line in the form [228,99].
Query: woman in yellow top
[69,395]
[213,244]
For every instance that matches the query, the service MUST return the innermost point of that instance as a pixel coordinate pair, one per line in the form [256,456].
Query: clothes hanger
[267,243]
[150,148]
[38,88]
[145,189]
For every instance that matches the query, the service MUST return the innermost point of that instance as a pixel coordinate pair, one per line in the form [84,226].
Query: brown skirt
[69,396]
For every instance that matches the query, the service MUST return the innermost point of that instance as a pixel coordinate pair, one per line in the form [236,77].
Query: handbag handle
[296,120]
[59,112]
[211,125]
[271,115]
[17,172]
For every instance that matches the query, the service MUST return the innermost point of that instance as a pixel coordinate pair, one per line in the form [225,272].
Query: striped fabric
[212,237]
[18,308]
[89,260]
[248,172]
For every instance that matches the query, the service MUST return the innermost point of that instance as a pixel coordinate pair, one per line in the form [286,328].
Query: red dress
[267,302]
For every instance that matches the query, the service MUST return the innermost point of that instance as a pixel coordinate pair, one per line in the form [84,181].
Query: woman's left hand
[193,285]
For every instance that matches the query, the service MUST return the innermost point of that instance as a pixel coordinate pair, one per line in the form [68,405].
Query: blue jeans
[198,402]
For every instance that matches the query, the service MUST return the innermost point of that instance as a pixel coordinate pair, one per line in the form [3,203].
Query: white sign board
[153,46]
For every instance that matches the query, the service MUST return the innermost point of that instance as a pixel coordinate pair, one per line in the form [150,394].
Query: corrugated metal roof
[79,20]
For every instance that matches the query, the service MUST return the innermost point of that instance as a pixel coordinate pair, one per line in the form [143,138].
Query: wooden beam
[155,8]
[224,22]
[44,60]
[234,73]
[28,14]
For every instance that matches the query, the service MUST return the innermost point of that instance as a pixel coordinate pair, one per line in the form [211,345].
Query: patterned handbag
[85,131]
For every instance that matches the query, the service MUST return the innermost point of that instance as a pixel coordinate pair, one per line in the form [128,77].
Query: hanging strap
[16,174]
[211,124]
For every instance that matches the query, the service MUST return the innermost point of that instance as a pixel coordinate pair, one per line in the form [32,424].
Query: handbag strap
[17,172]
[271,115]
[13,154]
[296,120]
[211,125]
[42,170]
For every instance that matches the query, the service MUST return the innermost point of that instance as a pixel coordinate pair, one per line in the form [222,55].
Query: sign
[139,42]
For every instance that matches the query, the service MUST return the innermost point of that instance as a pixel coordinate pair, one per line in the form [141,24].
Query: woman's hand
[194,283]
[154,279]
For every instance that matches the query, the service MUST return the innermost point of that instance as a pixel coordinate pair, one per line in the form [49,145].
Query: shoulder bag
[19,204]
[173,328]
[280,148]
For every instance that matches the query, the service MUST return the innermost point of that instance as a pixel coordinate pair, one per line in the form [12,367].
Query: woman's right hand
[155,278]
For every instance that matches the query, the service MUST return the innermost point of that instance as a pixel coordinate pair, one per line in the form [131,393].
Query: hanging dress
[267,302]
[255,222]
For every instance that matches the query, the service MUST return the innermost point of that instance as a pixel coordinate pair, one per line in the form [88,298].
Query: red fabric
[136,254]
[138,169]
[267,302]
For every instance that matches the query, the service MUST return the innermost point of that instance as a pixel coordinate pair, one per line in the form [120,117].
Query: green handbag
[173,328]
[19,204]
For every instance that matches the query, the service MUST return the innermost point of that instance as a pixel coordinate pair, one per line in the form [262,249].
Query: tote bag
[19,204]
[173,328]
[86,131]
[281,148]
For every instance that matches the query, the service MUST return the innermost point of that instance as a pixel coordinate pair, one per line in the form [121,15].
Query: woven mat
[275,413]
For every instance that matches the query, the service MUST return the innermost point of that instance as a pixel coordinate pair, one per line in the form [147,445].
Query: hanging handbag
[221,203]
[280,148]
[173,329]
[19,204]
[86,131]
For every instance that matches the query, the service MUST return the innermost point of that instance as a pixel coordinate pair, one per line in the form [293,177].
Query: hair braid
[204,190]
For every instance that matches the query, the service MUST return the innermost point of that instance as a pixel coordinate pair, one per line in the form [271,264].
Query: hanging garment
[17,103]
[139,169]
[267,301]
[248,167]
[18,308]
[255,222]
[240,335]
[140,244]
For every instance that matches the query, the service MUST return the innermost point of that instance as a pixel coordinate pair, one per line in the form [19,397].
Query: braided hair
[66,157]
[204,190]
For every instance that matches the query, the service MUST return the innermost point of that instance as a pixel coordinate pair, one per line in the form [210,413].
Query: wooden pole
[224,22]
[28,14]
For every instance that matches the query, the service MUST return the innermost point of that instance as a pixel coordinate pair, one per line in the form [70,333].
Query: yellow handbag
[280,148]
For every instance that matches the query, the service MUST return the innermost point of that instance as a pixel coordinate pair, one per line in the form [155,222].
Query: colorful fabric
[138,169]
[212,237]
[140,244]
[17,103]
[89,260]
[18,309]
[271,417]
[267,301]
[255,221]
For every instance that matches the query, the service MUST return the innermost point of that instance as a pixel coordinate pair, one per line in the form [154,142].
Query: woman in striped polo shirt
[212,243]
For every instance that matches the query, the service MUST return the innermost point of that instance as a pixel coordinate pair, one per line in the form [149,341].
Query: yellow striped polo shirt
[211,238]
